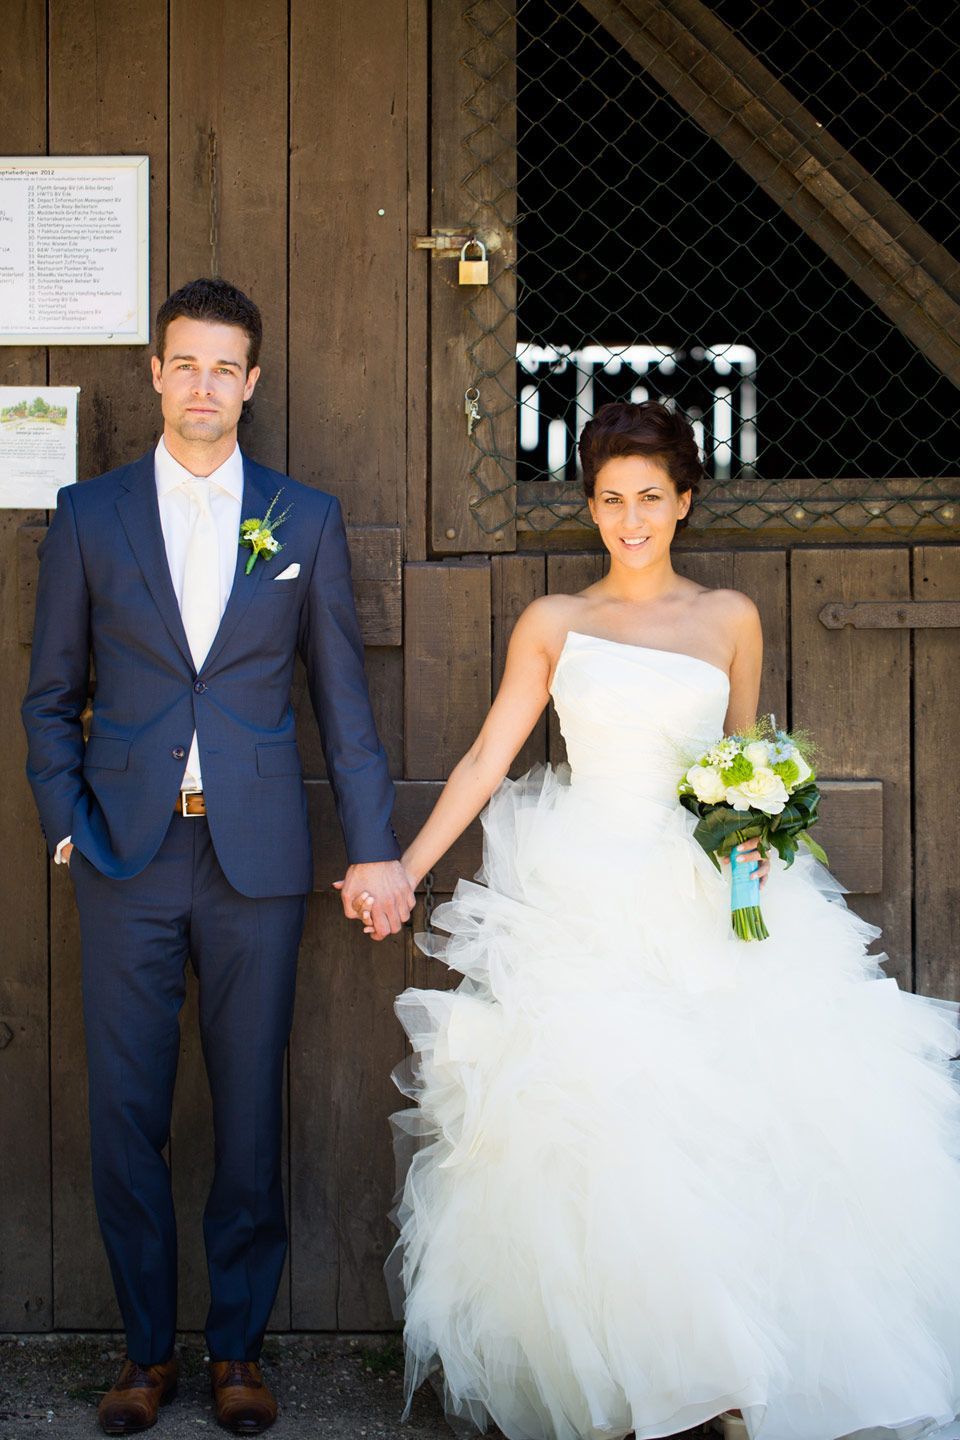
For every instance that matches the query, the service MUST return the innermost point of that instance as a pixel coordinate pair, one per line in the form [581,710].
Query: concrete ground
[329,1388]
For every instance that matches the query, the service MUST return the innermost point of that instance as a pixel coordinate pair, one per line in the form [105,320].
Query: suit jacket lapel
[139,513]
[257,494]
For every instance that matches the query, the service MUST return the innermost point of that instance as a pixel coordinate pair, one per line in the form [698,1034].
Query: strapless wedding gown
[657,1172]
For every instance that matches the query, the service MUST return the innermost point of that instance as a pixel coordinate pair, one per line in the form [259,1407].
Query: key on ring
[471,407]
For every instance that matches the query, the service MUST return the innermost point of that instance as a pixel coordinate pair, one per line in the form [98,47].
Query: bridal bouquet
[752,787]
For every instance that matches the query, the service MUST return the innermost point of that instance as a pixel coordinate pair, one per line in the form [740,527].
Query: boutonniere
[258,534]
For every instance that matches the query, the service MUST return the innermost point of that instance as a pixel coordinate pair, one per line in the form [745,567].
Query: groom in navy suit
[183,819]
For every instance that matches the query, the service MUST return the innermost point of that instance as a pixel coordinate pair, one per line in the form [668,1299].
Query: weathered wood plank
[228,177]
[515,581]
[348,253]
[836,674]
[418,322]
[28,573]
[936,739]
[567,575]
[108,95]
[375,553]
[761,574]
[850,829]
[425,972]
[473,327]
[26,1282]
[26,1290]
[447,663]
[345,1043]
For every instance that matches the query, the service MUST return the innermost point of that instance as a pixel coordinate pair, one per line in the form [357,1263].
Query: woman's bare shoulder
[546,620]
[731,604]
[732,611]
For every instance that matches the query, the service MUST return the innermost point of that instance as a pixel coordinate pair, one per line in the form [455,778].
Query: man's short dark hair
[215,300]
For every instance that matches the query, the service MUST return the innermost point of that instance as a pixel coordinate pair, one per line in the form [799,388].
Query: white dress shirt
[226,502]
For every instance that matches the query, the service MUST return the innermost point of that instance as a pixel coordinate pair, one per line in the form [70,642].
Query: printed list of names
[68,251]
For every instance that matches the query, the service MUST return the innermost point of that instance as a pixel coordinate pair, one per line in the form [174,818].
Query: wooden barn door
[324,156]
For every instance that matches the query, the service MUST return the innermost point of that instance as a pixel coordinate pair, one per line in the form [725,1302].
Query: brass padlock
[474,272]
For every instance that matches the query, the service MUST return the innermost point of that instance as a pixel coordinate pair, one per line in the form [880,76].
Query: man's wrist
[58,855]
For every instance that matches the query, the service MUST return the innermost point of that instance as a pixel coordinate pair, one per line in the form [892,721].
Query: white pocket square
[291,573]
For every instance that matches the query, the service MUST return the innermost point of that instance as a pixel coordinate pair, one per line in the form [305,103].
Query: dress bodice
[633,717]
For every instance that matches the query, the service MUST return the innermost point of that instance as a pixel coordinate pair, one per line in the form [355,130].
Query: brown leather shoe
[242,1401]
[136,1397]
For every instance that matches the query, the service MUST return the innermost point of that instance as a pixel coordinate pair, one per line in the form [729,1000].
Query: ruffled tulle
[652,1172]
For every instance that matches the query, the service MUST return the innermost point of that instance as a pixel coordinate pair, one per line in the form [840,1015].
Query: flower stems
[748,923]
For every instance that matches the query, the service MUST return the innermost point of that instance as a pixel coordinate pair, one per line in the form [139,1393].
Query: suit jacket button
[199,687]
[178,753]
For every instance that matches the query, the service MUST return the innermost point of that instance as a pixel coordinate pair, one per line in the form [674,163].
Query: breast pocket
[272,589]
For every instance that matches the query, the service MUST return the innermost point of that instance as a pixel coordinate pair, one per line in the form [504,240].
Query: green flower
[789,772]
[738,771]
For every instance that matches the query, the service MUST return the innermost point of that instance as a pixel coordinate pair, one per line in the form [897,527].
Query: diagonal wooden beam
[735,99]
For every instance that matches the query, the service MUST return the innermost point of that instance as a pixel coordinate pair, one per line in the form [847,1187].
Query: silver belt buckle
[197,790]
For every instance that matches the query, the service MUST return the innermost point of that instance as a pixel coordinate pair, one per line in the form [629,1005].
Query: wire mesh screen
[748,209]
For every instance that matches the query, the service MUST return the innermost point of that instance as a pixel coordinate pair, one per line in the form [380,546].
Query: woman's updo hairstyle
[651,429]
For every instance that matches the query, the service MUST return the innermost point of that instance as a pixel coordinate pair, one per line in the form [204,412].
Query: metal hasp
[892,615]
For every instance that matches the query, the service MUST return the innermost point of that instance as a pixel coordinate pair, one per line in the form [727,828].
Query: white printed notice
[74,250]
[38,444]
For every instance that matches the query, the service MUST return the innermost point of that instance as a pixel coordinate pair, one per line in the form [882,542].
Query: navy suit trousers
[138,935]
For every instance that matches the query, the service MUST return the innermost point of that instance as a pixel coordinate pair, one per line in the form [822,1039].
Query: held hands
[379,894]
[749,851]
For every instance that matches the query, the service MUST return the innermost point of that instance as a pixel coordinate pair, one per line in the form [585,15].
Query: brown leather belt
[190,803]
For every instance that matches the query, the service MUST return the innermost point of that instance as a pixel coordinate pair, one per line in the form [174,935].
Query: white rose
[706,783]
[757,752]
[763,791]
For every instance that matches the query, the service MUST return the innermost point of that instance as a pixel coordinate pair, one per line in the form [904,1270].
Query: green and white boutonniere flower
[258,534]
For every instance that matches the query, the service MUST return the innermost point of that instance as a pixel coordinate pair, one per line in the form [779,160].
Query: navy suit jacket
[105,590]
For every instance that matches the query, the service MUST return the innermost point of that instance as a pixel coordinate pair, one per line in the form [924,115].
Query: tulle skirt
[652,1172]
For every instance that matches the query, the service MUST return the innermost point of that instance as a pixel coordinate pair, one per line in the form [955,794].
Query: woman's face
[636,507]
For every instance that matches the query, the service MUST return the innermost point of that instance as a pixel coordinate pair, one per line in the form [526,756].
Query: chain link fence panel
[745,209]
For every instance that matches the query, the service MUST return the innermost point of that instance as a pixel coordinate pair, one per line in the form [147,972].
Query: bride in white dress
[659,1173]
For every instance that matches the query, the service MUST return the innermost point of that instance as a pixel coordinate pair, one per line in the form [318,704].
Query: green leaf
[817,851]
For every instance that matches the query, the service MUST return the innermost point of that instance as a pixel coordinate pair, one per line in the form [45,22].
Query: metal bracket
[447,244]
[892,615]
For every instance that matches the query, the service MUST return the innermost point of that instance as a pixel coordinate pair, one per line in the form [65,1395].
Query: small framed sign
[38,444]
[74,250]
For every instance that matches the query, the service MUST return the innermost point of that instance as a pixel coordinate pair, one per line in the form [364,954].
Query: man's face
[203,380]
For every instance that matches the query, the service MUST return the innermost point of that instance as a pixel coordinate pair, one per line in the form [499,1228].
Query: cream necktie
[200,601]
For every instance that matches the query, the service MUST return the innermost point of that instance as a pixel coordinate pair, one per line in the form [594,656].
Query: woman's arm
[745,671]
[520,701]
[745,667]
